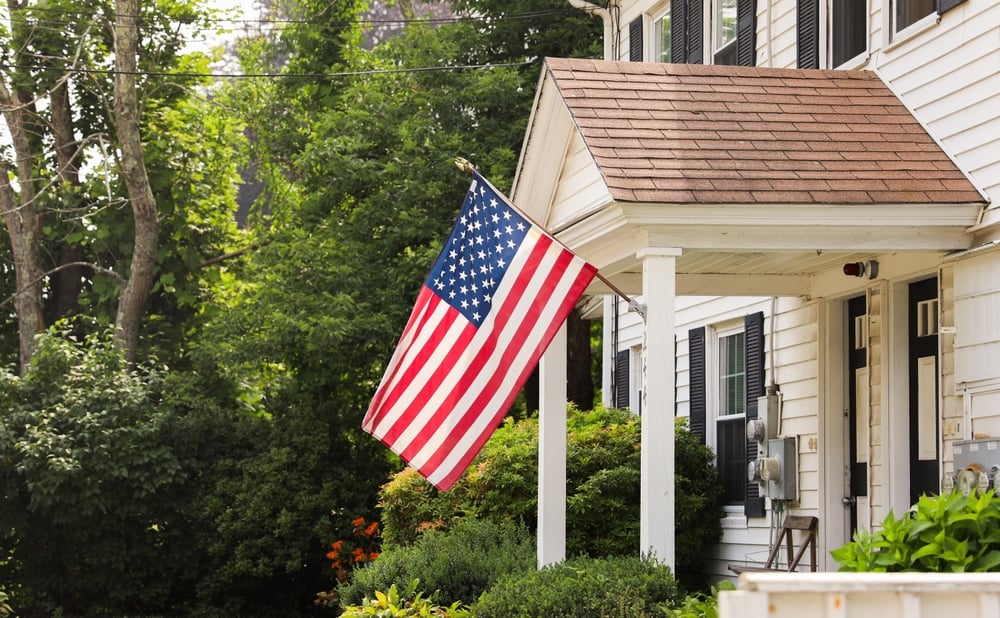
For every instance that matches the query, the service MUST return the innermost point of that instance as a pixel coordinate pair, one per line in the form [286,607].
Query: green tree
[94,192]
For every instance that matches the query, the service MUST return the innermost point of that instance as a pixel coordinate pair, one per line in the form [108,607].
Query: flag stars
[482,245]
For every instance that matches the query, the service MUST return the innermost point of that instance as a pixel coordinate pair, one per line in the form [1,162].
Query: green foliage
[581,588]
[456,565]
[87,466]
[392,604]
[944,533]
[700,605]
[602,490]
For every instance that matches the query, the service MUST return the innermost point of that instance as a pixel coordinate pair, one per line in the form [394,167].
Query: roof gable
[669,133]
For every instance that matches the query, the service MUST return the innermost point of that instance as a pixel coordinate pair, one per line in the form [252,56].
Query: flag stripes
[449,382]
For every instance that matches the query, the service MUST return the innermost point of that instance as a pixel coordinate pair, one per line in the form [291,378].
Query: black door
[923,329]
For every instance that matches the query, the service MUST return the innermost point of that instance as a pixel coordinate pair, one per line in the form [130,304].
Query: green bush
[410,602]
[602,490]
[618,586]
[699,604]
[944,533]
[455,565]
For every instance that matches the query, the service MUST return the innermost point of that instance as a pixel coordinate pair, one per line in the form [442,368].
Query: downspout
[609,16]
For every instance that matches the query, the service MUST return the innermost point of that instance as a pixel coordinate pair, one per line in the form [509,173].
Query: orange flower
[373,556]
[372,529]
[358,555]
[358,522]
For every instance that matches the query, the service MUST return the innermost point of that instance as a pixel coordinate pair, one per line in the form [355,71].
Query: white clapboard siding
[783,45]
[947,74]
[580,190]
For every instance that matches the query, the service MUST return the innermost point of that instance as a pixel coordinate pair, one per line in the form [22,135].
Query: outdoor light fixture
[868,268]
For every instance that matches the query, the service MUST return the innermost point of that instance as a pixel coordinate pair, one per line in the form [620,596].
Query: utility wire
[425,69]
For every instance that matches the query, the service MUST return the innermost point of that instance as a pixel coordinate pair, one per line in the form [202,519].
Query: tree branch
[94,267]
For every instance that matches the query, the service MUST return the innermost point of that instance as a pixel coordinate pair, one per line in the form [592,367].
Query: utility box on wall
[784,485]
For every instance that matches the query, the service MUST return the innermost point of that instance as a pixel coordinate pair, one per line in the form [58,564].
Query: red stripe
[499,318]
[511,351]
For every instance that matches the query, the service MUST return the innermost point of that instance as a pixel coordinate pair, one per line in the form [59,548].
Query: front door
[857,412]
[923,416]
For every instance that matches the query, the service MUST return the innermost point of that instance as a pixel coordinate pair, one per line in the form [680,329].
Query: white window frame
[656,16]
[826,38]
[892,37]
[734,513]
[714,6]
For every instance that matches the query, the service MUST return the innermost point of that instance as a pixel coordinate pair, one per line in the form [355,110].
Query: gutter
[609,16]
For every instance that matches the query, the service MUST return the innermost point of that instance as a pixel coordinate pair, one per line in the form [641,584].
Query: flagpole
[467,167]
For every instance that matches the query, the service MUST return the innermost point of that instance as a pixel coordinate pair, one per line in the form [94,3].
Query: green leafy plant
[456,564]
[700,605]
[634,586]
[411,602]
[943,533]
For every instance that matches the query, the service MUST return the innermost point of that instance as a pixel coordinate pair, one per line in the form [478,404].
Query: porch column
[551,541]
[656,518]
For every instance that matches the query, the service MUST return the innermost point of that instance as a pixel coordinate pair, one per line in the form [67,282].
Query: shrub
[946,533]
[602,490]
[456,565]
[583,587]
[699,604]
[392,604]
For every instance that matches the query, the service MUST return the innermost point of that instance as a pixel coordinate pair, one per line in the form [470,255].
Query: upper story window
[848,30]
[716,31]
[908,12]
[661,36]
[724,32]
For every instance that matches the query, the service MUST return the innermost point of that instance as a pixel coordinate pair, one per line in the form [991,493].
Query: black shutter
[678,32]
[695,32]
[635,40]
[754,327]
[807,33]
[696,375]
[746,32]
[621,379]
[947,5]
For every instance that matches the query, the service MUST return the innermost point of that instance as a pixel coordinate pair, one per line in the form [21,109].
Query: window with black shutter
[731,26]
[736,382]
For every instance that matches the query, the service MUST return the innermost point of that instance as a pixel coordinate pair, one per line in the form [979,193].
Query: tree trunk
[579,359]
[20,214]
[67,283]
[133,297]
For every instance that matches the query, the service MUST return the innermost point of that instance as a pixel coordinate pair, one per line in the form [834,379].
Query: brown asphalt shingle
[722,134]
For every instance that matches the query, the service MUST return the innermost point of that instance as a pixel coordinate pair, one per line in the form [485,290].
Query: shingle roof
[686,133]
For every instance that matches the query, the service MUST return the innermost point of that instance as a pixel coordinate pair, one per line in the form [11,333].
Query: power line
[425,69]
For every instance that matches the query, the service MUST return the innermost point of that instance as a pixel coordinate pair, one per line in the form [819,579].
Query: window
[908,12]
[848,30]
[731,420]
[724,32]
[726,377]
[730,25]
[661,37]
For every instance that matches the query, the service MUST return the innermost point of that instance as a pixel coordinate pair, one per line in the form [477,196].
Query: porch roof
[780,173]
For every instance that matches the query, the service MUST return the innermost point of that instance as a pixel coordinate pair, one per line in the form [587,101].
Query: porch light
[867,268]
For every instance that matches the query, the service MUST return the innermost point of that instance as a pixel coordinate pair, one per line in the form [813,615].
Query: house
[801,198]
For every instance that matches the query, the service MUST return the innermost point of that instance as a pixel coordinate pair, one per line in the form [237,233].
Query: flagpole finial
[464,165]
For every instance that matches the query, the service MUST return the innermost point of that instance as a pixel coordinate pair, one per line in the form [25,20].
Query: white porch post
[552,452]
[656,518]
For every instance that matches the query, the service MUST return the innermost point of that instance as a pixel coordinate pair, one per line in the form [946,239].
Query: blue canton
[478,252]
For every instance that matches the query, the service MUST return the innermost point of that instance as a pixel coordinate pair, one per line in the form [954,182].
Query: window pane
[849,30]
[725,23]
[661,37]
[909,12]
[732,374]
[732,459]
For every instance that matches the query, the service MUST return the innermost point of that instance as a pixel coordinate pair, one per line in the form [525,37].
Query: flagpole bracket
[638,307]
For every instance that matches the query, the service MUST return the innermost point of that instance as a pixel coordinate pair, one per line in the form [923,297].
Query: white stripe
[511,370]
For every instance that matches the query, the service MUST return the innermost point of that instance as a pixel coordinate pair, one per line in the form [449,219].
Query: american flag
[497,294]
